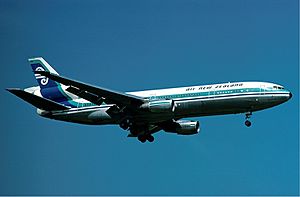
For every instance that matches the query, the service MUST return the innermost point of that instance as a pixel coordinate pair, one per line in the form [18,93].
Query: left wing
[95,94]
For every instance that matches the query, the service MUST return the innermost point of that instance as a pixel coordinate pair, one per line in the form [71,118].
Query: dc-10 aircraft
[144,113]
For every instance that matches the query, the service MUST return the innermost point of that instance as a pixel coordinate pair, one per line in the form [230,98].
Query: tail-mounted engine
[159,106]
[183,127]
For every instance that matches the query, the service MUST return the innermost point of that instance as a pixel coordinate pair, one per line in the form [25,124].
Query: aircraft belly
[188,107]
[183,108]
[227,106]
[203,107]
[218,106]
[272,100]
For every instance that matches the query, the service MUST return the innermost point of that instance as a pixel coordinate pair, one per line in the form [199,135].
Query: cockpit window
[278,87]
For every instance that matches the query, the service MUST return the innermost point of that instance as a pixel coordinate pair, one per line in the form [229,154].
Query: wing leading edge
[95,94]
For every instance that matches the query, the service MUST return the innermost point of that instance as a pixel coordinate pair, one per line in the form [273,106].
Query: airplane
[143,113]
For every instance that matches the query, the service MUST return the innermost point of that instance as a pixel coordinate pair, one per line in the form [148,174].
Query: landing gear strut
[125,124]
[247,122]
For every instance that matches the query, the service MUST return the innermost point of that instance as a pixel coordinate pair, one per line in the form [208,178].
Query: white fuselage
[192,101]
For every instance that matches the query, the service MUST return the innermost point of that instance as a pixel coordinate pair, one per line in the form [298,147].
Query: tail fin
[49,89]
[39,64]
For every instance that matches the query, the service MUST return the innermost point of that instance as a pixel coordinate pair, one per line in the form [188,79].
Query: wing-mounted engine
[159,106]
[182,127]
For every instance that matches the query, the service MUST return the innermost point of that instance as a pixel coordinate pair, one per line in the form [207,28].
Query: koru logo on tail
[44,80]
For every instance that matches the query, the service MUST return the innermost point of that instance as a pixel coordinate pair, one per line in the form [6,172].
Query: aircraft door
[211,92]
[262,89]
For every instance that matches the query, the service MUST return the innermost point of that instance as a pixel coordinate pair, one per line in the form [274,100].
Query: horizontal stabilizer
[39,102]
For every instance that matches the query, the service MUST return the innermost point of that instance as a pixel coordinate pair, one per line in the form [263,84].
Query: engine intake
[159,106]
[183,127]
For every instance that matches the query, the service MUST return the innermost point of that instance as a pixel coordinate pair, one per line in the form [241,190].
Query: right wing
[95,94]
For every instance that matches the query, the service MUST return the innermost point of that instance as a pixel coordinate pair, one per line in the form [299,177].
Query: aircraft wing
[94,94]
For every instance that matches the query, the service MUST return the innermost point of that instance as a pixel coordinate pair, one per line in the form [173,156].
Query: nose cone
[290,95]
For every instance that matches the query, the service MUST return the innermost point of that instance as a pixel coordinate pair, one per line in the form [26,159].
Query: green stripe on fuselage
[194,94]
[215,93]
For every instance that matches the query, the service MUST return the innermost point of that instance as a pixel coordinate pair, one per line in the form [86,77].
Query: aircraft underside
[139,124]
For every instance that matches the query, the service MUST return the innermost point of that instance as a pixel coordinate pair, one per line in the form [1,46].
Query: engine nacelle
[184,127]
[159,106]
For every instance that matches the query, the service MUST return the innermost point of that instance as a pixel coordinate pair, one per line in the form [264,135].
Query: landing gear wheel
[142,138]
[247,123]
[150,138]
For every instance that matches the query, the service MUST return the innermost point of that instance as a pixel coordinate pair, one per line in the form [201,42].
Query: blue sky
[135,45]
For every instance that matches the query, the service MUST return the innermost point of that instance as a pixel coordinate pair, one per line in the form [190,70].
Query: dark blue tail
[49,89]
[39,64]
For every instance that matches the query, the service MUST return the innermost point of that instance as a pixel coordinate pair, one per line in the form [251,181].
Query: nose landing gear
[247,122]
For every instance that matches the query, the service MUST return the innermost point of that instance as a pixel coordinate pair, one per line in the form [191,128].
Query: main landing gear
[247,122]
[135,130]
[144,138]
